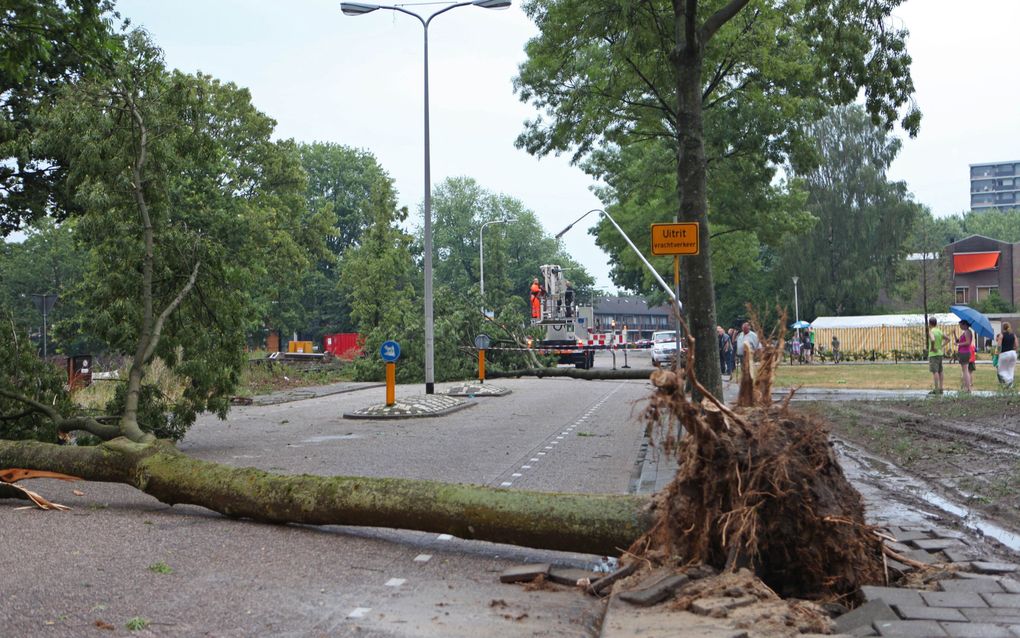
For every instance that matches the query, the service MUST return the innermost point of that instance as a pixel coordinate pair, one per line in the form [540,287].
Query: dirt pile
[758,487]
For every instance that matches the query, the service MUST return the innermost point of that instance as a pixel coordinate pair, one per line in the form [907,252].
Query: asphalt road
[62,573]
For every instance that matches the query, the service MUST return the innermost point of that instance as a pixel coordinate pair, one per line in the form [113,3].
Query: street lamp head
[795,279]
[357,8]
[492,4]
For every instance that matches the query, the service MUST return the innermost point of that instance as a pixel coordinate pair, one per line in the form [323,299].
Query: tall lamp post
[44,302]
[481,254]
[658,278]
[361,8]
[796,305]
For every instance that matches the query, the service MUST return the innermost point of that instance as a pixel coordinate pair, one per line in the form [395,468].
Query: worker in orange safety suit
[536,299]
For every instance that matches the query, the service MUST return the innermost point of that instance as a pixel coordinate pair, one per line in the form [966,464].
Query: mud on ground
[965,448]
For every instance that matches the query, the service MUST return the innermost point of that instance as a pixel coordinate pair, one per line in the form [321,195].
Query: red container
[346,345]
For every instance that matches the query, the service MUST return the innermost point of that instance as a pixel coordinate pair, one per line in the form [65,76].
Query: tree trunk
[597,524]
[573,373]
[697,287]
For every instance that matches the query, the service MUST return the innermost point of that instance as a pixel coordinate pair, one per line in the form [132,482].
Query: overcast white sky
[358,81]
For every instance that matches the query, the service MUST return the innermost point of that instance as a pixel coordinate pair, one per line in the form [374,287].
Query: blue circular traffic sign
[390,351]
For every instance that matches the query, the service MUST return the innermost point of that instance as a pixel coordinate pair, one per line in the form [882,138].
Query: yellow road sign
[675,239]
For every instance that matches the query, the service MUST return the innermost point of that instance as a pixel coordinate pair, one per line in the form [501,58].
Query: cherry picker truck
[565,325]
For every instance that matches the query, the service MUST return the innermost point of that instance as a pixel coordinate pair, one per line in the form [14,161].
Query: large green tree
[341,181]
[187,208]
[725,85]
[48,261]
[43,45]
[865,220]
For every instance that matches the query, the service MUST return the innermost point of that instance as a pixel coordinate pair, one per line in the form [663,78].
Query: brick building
[982,265]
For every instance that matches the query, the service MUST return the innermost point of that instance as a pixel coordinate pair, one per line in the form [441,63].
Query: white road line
[359,612]
[444,537]
[542,453]
[505,484]
[395,582]
[525,467]
[516,475]
[534,460]
[423,558]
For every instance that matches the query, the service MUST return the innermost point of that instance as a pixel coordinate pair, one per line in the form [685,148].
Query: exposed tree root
[757,487]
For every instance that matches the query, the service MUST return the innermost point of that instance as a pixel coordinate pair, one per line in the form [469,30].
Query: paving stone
[865,616]
[909,628]
[976,630]
[719,607]
[570,575]
[922,556]
[899,548]
[1011,586]
[935,544]
[1000,615]
[1011,601]
[524,573]
[959,554]
[986,567]
[988,585]
[897,566]
[911,535]
[893,595]
[953,599]
[909,612]
[976,576]
[656,593]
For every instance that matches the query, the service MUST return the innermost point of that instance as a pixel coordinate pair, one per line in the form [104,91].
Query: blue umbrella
[800,324]
[977,321]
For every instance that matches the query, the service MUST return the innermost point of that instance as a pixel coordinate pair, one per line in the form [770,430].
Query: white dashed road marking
[359,612]
[395,582]
[423,558]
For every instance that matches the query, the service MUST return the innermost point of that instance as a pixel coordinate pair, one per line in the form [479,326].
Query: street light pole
[44,302]
[796,305]
[361,8]
[658,278]
[481,255]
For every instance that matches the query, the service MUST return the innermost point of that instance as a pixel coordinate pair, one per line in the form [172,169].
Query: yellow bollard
[481,366]
[391,382]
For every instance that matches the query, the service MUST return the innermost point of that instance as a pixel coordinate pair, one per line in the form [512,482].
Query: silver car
[664,347]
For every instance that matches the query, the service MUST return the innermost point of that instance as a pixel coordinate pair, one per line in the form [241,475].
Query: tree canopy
[725,87]
[187,208]
[43,45]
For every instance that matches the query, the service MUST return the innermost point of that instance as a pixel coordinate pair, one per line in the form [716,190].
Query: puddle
[331,437]
[972,521]
[879,483]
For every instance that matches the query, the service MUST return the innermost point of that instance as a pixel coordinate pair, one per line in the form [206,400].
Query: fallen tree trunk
[573,373]
[598,524]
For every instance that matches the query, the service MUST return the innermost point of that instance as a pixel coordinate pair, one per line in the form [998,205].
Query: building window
[961,295]
[981,171]
[983,292]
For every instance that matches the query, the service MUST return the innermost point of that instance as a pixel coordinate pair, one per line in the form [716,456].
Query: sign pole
[390,352]
[391,382]
[481,366]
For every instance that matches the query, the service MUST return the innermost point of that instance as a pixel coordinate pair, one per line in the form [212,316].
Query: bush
[24,372]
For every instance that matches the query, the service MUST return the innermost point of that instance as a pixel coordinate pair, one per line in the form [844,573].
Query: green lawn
[884,376]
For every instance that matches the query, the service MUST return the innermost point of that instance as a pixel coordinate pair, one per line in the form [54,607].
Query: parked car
[664,347]
[644,344]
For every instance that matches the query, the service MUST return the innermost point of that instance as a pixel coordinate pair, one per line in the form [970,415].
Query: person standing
[935,354]
[809,344]
[536,299]
[725,345]
[746,339]
[964,352]
[732,360]
[835,349]
[1007,355]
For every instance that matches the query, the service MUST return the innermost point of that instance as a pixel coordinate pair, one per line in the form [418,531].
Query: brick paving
[976,596]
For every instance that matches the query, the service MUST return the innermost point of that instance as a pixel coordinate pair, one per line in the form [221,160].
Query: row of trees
[160,208]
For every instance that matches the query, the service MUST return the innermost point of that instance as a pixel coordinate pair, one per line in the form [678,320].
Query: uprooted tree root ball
[758,487]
